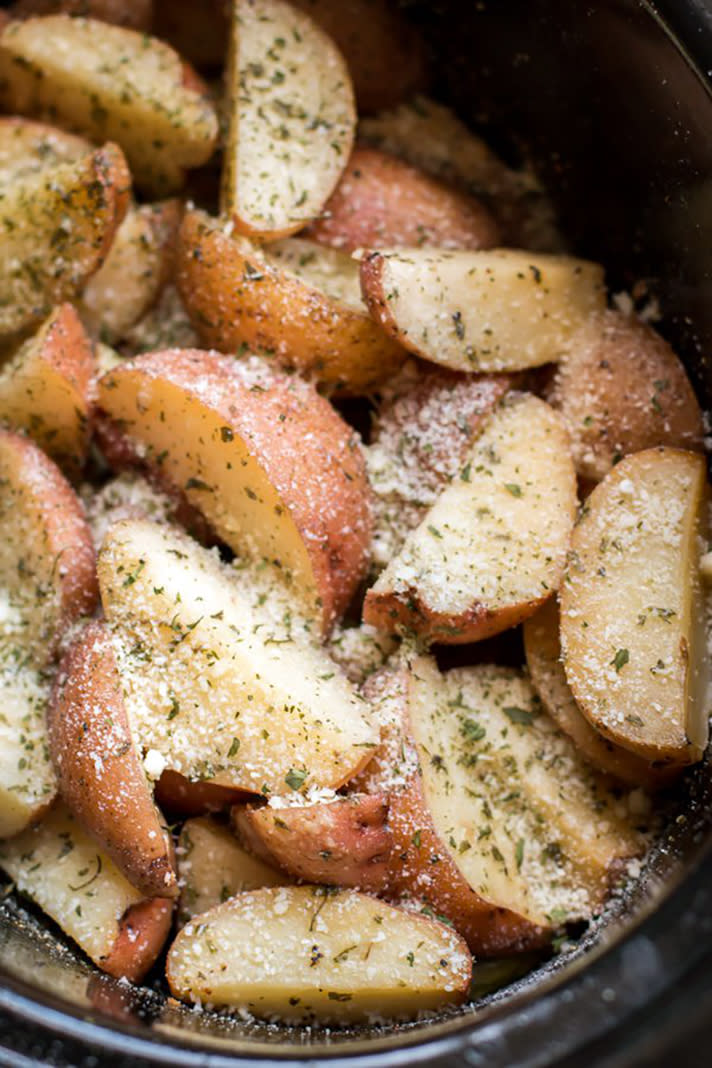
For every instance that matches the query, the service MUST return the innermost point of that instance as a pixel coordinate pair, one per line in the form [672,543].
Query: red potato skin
[143,930]
[340,843]
[307,451]
[383,202]
[112,171]
[181,797]
[69,538]
[371,272]
[98,767]
[405,610]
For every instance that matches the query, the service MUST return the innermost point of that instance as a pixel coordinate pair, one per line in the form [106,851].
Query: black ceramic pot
[612,102]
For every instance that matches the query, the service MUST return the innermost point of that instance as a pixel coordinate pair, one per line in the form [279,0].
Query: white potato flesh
[27,146]
[66,874]
[632,616]
[309,953]
[110,83]
[496,310]
[213,866]
[529,824]
[292,119]
[216,685]
[333,272]
[494,544]
[27,781]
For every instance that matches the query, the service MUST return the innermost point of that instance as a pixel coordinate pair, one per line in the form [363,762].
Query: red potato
[385,53]
[182,798]
[345,842]
[100,774]
[622,389]
[46,389]
[382,202]
[268,462]
[60,868]
[47,537]
[299,302]
[27,146]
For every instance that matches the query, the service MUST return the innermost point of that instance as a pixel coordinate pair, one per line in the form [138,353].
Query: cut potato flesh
[47,566]
[46,388]
[295,299]
[213,867]
[267,461]
[493,546]
[543,652]
[632,616]
[110,83]
[27,146]
[216,686]
[131,278]
[27,781]
[307,953]
[501,310]
[427,420]
[292,119]
[62,870]
[529,825]
[64,219]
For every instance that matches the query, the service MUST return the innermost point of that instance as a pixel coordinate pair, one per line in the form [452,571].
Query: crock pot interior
[614,118]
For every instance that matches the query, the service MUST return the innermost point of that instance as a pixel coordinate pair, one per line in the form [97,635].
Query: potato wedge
[344,842]
[632,618]
[621,389]
[98,767]
[217,685]
[60,868]
[292,119]
[385,53]
[111,83]
[46,388]
[47,564]
[543,652]
[300,302]
[427,419]
[499,310]
[64,220]
[383,202]
[265,459]
[430,136]
[138,265]
[184,798]
[136,14]
[26,147]
[213,867]
[493,546]
[309,953]
[505,829]
[28,784]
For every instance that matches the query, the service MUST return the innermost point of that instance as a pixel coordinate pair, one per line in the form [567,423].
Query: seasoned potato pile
[297,389]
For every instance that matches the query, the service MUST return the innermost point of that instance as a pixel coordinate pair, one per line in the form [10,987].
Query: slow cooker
[611,101]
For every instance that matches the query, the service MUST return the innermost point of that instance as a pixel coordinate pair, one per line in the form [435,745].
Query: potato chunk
[632,618]
[62,220]
[27,146]
[621,389]
[46,388]
[28,783]
[60,868]
[219,685]
[308,953]
[267,461]
[493,545]
[295,299]
[543,652]
[500,310]
[292,119]
[111,83]
[213,867]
